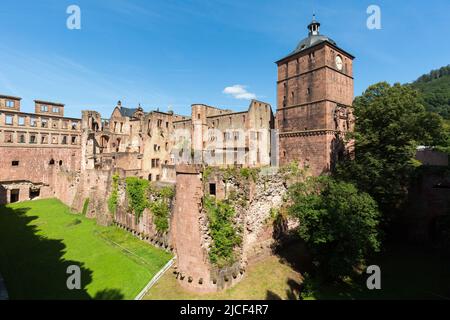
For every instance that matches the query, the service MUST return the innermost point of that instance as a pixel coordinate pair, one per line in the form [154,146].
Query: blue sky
[178,52]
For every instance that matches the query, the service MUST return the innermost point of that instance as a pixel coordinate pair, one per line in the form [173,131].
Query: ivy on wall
[223,232]
[137,192]
[160,207]
[113,198]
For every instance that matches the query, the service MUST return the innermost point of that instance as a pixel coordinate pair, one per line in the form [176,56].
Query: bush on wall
[160,207]
[223,232]
[137,192]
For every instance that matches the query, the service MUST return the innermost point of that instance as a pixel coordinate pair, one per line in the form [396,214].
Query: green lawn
[40,239]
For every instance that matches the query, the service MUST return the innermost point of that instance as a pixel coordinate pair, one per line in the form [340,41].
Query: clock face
[339,63]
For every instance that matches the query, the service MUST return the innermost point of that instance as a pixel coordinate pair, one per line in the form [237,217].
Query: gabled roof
[127,112]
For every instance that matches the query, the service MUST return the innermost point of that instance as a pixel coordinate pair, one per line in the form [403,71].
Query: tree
[337,222]
[390,123]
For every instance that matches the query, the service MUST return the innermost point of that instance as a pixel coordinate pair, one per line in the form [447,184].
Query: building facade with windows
[34,148]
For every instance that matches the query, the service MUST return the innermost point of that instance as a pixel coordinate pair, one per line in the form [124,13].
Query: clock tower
[314,102]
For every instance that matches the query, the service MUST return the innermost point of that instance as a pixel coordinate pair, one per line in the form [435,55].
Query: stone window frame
[74,125]
[73,139]
[55,109]
[19,122]
[33,122]
[10,135]
[54,139]
[11,117]
[44,122]
[44,108]
[155,163]
[33,138]
[44,138]
[10,103]
[64,139]
[22,138]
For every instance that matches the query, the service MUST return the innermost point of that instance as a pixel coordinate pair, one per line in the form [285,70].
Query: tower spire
[314,26]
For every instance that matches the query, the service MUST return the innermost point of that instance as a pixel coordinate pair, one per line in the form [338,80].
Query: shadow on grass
[294,254]
[407,272]
[33,266]
[292,293]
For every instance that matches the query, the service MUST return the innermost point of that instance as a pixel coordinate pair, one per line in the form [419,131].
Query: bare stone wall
[192,260]
[52,169]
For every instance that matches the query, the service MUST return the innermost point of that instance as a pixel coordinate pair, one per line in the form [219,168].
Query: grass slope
[40,239]
[274,278]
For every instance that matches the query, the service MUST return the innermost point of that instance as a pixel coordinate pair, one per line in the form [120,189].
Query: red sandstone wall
[192,260]
[34,163]
[59,179]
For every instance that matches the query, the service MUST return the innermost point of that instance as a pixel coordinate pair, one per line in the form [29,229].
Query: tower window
[10,104]
[15,163]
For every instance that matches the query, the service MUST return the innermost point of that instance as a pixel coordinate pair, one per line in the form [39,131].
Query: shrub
[160,211]
[160,207]
[248,173]
[337,222]
[137,192]
[223,233]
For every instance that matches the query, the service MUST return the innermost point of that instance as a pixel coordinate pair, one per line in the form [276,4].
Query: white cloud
[239,92]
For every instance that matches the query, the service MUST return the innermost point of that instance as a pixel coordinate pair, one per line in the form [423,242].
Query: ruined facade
[149,145]
[45,154]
